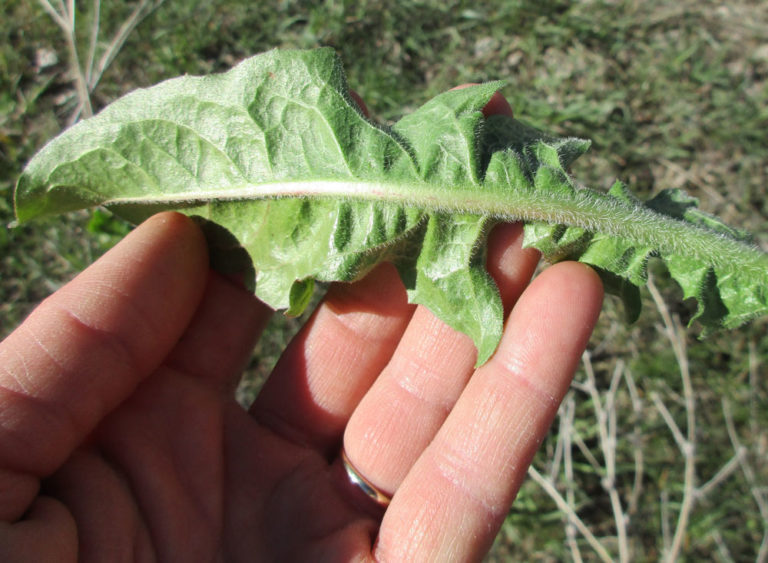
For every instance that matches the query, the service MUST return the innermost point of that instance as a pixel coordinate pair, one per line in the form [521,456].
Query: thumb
[86,348]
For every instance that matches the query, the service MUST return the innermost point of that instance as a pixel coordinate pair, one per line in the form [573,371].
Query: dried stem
[566,422]
[637,449]
[687,444]
[758,494]
[606,425]
[141,11]
[93,41]
[64,16]
[569,512]
[88,75]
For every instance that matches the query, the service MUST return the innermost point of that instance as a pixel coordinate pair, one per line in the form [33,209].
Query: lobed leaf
[293,185]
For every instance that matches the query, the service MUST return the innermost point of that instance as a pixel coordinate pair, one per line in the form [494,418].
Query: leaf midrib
[580,208]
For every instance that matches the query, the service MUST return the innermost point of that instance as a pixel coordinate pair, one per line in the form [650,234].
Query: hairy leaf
[294,185]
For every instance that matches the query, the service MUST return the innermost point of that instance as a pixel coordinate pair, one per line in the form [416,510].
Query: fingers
[86,347]
[331,363]
[48,533]
[219,340]
[497,105]
[360,103]
[408,403]
[465,480]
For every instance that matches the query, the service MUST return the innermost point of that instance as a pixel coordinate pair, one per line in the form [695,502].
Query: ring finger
[408,403]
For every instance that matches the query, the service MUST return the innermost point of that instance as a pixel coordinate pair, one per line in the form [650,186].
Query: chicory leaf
[293,184]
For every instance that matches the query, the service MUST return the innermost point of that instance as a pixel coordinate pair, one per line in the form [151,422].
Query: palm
[196,477]
[144,452]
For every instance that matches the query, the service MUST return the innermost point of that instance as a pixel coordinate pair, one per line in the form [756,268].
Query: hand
[120,437]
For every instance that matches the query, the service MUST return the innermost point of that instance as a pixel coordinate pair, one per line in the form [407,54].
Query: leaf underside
[293,185]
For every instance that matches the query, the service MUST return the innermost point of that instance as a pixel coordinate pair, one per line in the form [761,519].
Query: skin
[120,437]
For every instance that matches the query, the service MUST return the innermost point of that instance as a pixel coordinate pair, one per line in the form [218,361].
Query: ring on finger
[364,484]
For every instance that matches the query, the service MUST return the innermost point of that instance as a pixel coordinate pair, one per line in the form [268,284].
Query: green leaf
[292,185]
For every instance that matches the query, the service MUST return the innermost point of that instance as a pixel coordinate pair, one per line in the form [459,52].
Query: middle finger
[333,360]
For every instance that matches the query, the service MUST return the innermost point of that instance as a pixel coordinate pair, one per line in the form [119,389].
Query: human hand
[120,437]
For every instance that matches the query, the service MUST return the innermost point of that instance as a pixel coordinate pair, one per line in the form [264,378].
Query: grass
[672,95]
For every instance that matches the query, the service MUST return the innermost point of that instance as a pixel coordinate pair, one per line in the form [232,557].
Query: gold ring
[362,483]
